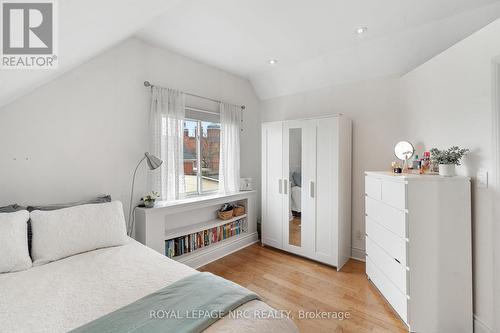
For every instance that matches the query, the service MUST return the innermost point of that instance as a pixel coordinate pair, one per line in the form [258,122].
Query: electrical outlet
[482,179]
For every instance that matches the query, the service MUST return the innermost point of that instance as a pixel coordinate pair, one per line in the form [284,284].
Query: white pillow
[65,232]
[14,255]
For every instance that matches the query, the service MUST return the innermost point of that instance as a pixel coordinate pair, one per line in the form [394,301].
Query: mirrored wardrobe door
[292,169]
[295,175]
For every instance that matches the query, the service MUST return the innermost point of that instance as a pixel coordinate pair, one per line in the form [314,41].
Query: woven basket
[238,210]
[225,215]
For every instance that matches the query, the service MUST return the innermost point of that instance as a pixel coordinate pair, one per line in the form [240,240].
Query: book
[192,242]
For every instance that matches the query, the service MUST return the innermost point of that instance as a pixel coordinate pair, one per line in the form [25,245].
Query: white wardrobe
[306,187]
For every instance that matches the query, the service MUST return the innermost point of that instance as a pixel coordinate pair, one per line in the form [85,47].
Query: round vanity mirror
[404,150]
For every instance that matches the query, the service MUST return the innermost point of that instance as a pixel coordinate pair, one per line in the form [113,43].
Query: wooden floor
[289,282]
[294,231]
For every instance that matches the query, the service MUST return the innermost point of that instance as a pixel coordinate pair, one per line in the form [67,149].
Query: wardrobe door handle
[285,186]
[280,185]
[311,189]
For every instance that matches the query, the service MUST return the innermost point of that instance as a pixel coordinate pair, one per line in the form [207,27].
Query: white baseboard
[218,251]
[358,254]
[480,326]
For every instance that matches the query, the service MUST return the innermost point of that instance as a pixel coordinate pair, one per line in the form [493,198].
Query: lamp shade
[153,161]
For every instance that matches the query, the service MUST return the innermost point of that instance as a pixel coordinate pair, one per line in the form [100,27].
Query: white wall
[374,107]
[448,101]
[83,133]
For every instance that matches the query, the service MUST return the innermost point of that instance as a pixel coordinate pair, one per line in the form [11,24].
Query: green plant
[452,155]
[151,197]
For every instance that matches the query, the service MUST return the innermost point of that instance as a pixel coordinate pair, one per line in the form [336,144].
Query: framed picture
[246,184]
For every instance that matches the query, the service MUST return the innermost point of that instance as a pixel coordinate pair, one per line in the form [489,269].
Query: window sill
[204,200]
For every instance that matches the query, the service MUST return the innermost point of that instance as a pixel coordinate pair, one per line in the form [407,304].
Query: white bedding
[68,293]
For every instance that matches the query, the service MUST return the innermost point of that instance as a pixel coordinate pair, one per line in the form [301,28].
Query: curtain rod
[191,108]
[149,85]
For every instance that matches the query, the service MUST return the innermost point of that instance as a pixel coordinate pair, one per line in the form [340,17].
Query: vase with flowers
[150,199]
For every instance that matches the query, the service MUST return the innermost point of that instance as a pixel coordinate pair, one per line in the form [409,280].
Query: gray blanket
[189,305]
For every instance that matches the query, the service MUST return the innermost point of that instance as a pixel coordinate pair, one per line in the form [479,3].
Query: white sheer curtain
[166,127]
[229,164]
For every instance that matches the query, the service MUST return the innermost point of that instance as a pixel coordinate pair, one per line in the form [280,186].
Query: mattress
[68,293]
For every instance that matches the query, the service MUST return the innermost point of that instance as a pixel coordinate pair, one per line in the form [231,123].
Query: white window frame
[199,176]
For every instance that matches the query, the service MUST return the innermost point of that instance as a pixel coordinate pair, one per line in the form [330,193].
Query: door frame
[496,189]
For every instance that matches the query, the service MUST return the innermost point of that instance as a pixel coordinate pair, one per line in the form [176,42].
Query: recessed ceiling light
[273,62]
[361,30]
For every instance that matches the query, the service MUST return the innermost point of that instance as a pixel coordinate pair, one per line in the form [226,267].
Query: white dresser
[418,248]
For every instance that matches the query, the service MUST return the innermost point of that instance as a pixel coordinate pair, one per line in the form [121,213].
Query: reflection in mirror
[295,169]
[404,150]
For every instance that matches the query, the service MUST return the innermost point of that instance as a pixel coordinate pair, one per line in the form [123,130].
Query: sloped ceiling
[86,28]
[315,40]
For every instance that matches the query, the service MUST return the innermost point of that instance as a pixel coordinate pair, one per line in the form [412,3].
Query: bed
[67,293]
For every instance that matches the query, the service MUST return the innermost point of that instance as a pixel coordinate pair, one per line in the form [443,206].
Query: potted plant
[448,159]
[150,199]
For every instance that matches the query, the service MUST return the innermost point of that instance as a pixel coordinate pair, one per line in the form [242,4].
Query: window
[201,156]
[190,154]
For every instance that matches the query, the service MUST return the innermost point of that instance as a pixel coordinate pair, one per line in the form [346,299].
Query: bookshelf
[182,231]
[196,255]
[168,221]
[205,236]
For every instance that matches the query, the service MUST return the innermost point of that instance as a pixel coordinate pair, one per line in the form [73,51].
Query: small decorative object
[238,210]
[396,167]
[150,199]
[425,163]
[448,159]
[416,163]
[246,184]
[225,212]
[404,151]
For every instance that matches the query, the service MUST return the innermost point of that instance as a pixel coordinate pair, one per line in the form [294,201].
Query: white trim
[495,93]
[194,202]
[358,254]
[480,326]
[496,118]
[495,96]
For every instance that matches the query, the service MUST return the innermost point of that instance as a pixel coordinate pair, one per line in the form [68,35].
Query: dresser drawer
[394,194]
[373,187]
[398,301]
[395,246]
[391,268]
[391,218]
